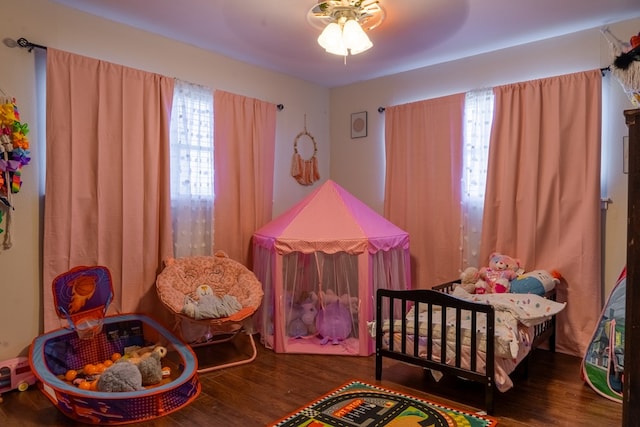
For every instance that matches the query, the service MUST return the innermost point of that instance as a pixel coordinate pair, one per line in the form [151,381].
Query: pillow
[537,282]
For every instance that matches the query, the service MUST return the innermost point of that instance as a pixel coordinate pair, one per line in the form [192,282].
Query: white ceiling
[275,34]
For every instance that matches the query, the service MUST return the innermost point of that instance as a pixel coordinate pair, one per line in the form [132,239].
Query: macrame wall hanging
[305,171]
[626,64]
[13,156]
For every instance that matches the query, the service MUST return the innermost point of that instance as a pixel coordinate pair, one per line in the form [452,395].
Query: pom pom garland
[14,154]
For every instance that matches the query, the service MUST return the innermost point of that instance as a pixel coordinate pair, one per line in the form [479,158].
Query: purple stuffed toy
[333,323]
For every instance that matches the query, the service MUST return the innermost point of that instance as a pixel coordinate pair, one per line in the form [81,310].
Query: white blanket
[528,309]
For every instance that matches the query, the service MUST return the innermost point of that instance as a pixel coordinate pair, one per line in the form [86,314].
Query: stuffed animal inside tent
[334,323]
[302,317]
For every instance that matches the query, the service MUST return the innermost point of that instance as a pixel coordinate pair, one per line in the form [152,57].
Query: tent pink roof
[331,220]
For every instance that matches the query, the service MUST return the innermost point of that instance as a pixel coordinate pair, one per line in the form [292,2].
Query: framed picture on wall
[359,124]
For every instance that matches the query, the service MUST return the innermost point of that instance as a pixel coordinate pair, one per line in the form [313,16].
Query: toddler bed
[518,323]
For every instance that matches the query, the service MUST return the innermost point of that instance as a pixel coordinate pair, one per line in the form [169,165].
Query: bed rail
[395,305]
[392,307]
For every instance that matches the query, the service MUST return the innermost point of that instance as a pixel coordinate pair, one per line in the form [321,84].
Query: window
[191,164]
[478,117]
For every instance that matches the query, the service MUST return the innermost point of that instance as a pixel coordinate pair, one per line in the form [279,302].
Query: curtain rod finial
[9,42]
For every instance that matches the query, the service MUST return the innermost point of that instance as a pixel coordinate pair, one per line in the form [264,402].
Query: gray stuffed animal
[120,377]
[139,367]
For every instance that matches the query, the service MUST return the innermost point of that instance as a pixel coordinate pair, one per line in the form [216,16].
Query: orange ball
[115,356]
[84,385]
[107,363]
[90,369]
[71,375]
[100,367]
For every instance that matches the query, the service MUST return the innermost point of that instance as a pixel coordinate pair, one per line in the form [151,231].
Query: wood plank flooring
[274,385]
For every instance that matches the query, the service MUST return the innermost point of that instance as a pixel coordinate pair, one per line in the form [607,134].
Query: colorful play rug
[359,404]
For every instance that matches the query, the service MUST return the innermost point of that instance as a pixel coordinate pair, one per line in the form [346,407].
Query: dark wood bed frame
[389,301]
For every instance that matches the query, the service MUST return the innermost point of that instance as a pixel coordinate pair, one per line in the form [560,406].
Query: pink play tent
[320,264]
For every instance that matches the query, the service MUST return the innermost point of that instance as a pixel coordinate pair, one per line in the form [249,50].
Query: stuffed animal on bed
[497,276]
[536,282]
[468,279]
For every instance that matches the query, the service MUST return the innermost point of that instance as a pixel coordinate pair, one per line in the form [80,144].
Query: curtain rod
[602,71]
[24,43]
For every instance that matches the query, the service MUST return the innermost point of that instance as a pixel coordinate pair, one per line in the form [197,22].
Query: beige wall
[586,50]
[357,165]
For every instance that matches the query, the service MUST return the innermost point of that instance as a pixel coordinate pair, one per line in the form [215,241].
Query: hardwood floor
[275,385]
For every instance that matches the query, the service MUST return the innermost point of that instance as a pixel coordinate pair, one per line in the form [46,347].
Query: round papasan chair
[212,299]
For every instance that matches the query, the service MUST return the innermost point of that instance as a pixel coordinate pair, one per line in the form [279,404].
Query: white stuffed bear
[329,296]
[468,279]
[209,306]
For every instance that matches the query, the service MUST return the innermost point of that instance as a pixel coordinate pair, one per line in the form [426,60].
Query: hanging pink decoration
[305,171]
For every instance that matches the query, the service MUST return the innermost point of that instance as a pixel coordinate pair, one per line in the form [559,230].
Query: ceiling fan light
[354,37]
[352,33]
[331,36]
[348,20]
[365,45]
[338,50]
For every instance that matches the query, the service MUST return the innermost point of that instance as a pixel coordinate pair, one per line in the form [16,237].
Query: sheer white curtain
[192,178]
[478,116]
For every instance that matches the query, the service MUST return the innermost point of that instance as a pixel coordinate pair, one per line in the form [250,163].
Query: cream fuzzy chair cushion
[181,278]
